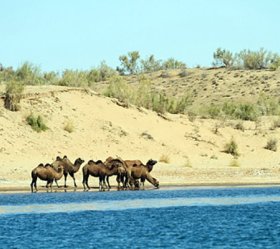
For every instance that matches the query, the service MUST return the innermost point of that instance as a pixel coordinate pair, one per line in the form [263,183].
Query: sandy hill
[192,151]
[212,85]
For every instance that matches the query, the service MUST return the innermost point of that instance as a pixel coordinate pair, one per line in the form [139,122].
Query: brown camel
[69,168]
[135,167]
[45,173]
[101,170]
[122,171]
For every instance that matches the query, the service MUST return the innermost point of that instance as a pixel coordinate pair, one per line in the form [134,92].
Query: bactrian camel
[69,168]
[45,173]
[100,170]
[141,171]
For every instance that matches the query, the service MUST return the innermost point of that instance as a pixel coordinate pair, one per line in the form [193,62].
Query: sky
[66,34]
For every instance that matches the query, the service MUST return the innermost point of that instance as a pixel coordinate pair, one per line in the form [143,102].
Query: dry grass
[164,158]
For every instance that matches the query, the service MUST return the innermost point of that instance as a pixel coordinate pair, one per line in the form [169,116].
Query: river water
[219,217]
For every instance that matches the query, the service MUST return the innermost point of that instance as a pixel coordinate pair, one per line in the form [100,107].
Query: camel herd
[130,174]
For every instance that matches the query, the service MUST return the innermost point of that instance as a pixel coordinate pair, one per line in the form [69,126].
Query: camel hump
[41,165]
[65,157]
[48,165]
[99,162]
[90,162]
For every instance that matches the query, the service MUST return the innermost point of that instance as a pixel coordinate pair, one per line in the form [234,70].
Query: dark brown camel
[122,171]
[100,170]
[69,168]
[134,167]
[45,173]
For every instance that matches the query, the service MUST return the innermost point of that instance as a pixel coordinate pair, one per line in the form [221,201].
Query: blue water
[177,218]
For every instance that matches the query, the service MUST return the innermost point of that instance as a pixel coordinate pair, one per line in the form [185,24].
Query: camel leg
[85,181]
[57,184]
[33,183]
[108,183]
[65,179]
[88,187]
[72,175]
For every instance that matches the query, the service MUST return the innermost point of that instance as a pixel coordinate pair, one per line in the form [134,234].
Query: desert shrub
[51,78]
[171,63]
[223,57]
[275,124]
[164,158]
[36,122]
[74,78]
[271,144]
[101,73]
[214,111]
[246,112]
[179,104]
[268,105]
[29,74]
[275,62]
[192,116]
[120,90]
[254,59]
[231,148]
[69,126]
[150,64]
[239,126]
[13,95]
[234,163]
[129,63]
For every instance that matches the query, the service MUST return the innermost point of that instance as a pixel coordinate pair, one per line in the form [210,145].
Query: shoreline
[41,189]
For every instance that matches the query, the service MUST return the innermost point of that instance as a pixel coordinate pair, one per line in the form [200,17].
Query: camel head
[151,162]
[79,161]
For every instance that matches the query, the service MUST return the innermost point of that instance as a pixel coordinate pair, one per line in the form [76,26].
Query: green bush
[231,148]
[101,73]
[171,63]
[271,144]
[36,123]
[74,78]
[254,59]
[223,57]
[150,64]
[13,95]
[29,74]
[129,63]
[120,90]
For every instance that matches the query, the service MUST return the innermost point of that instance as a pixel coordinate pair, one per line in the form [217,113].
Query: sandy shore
[190,153]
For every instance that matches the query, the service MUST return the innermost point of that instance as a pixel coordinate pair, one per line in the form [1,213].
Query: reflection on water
[107,205]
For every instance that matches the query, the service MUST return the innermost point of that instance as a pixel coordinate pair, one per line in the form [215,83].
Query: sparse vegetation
[234,163]
[36,122]
[232,148]
[13,95]
[164,158]
[271,144]
[239,126]
[69,126]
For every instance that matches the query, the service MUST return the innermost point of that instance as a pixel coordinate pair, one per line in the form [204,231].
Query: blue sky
[60,34]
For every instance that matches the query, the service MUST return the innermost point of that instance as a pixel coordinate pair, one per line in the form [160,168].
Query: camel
[122,171]
[45,173]
[101,170]
[69,168]
[141,172]
[134,167]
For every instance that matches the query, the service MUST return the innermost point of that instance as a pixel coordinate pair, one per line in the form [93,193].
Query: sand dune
[102,128]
